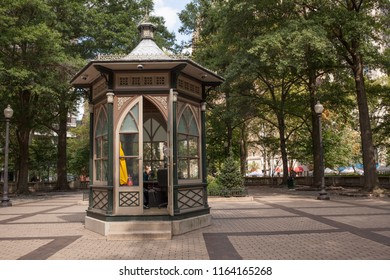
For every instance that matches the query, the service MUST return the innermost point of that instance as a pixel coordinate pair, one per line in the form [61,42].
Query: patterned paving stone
[276,224]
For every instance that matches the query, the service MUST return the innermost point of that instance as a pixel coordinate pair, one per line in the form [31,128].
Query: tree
[230,176]
[43,156]
[96,31]
[379,104]
[246,41]
[304,42]
[78,149]
[111,27]
[29,51]
[355,28]
[41,44]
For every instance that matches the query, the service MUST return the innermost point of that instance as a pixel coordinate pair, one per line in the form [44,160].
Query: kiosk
[147,113]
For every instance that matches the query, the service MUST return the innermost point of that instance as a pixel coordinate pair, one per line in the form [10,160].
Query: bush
[213,189]
[230,176]
[229,182]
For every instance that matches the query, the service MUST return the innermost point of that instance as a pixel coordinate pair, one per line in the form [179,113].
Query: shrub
[229,182]
[230,176]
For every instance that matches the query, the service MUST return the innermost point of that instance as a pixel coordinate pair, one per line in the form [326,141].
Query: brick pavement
[277,224]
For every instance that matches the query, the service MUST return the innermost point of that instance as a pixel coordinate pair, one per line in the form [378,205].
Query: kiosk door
[130,191]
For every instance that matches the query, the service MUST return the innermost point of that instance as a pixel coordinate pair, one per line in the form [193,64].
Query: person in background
[146,191]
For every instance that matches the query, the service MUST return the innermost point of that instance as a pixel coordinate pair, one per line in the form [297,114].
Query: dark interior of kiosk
[155,156]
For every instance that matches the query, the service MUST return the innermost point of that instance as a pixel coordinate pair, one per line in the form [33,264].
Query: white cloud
[170,17]
[169,9]
[168,13]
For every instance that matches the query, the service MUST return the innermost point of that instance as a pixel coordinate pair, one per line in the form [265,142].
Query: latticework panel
[190,198]
[100,200]
[129,199]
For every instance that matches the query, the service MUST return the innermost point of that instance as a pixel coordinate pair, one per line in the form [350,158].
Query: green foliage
[43,156]
[230,176]
[229,181]
[215,189]
[286,55]
[111,27]
[78,149]
[43,44]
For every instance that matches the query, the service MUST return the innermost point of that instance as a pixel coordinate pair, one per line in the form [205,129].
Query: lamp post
[323,195]
[8,112]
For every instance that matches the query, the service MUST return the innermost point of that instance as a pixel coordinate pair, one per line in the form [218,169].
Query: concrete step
[136,230]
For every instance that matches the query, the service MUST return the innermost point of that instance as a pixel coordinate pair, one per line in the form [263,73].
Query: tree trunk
[228,145]
[243,149]
[370,176]
[23,137]
[283,148]
[62,178]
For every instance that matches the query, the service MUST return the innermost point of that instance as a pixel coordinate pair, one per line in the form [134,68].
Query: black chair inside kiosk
[162,181]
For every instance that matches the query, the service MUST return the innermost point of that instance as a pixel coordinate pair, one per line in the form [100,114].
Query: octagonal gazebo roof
[151,56]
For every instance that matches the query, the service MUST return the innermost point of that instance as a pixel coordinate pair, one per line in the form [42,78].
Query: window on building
[188,146]
[129,148]
[155,137]
[101,147]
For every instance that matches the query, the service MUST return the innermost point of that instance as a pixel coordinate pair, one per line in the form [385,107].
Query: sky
[169,10]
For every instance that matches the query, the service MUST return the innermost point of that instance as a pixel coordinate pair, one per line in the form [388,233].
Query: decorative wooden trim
[122,101]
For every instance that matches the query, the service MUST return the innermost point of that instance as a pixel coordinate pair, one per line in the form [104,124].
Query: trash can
[290,182]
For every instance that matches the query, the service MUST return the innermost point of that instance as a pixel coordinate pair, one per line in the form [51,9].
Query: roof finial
[146,18]
[146,27]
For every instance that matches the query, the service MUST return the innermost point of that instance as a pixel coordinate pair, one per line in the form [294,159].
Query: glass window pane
[104,146]
[193,129]
[182,126]
[98,148]
[188,115]
[105,126]
[155,151]
[182,146]
[129,124]
[155,125]
[193,146]
[101,126]
[134,110]
[159,150]
[147,131]
[160,135]
[98,169]
[104,170]
[128,171]
[147,151]
[194,169]
[183,169]
[129,144]
[98,129]
[132,165]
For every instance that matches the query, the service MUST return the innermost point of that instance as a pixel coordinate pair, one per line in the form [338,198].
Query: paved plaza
[272,224]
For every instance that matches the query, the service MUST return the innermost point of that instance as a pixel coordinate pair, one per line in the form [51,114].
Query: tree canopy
[286,56]
[278,57]
[43,43]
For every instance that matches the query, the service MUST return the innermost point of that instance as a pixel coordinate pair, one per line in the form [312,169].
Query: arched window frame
[188,145]
[129,134]
[101,145]
[155,141]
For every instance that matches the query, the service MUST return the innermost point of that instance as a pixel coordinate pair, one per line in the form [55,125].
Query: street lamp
[323,195]
[8,112]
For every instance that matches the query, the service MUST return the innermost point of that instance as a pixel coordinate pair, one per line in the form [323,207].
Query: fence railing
[47,186]
[343,181]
